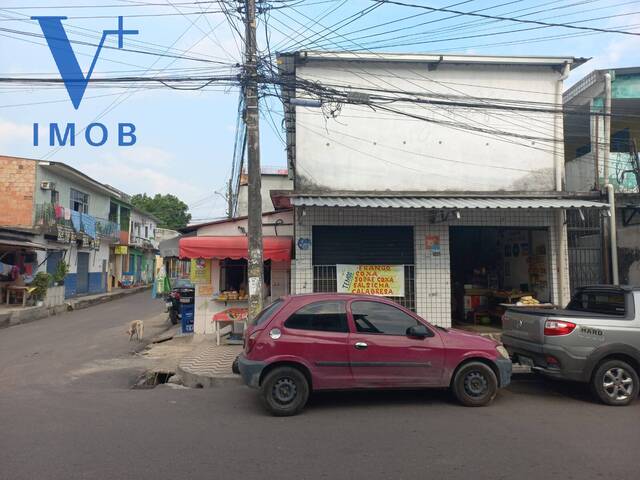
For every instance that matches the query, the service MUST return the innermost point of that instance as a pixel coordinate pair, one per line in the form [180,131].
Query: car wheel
[235,368]
[615,383]
[285,391]
[475,384]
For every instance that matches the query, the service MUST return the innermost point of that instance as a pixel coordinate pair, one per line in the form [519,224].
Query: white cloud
[13,134]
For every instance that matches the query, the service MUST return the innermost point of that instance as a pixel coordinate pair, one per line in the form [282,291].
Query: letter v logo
[74,80]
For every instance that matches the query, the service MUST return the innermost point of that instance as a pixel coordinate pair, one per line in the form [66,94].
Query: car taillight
[251,341]
[553,328]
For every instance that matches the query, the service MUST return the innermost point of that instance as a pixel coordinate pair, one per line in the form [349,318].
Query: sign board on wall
[121,250]
[382,280]
[432,244]
[204,290]
[200,270]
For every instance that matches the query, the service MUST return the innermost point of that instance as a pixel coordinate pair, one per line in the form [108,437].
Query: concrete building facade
[452,164]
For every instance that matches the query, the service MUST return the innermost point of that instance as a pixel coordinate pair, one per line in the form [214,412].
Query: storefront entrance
[492,267]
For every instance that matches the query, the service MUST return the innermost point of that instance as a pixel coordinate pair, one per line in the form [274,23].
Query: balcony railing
[56,219]
[107,229]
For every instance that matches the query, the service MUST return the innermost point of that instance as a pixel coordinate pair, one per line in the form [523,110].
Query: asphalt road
[67,412]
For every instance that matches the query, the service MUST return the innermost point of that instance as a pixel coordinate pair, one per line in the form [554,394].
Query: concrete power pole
[255,271]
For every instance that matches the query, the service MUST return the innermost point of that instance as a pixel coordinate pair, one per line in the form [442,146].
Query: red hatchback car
[332,341]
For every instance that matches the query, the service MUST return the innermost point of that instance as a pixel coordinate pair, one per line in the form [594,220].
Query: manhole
[152,379]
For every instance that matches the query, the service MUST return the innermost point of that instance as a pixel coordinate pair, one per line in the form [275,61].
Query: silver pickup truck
[596,339]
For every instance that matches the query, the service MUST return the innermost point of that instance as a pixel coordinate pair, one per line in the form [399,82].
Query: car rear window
[267,312]
[327,316]
[607,303]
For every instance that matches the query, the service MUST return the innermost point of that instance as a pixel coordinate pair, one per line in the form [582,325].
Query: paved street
[67,412]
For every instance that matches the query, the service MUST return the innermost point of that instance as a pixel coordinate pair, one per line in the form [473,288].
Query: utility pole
[255,270]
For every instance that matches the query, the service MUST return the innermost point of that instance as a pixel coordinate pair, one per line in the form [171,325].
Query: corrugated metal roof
[442,202]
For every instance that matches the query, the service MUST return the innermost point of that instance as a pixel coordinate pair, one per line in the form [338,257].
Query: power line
[510,19]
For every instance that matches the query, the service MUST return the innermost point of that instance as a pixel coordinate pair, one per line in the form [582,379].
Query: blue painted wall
[70,284]
[96,284]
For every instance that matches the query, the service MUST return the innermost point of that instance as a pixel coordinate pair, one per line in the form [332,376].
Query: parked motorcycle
[182,292]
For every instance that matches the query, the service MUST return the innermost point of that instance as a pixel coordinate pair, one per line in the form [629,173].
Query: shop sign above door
[382,280]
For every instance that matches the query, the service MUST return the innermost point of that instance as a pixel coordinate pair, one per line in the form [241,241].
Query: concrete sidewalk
[209,365]
[15,315]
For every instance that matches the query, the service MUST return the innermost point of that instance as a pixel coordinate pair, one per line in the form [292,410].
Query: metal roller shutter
[362,245]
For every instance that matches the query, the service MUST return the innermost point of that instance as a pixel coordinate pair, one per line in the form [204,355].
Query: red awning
[275,248]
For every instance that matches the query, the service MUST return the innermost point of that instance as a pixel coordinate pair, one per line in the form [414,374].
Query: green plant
[61,271]
[41,282]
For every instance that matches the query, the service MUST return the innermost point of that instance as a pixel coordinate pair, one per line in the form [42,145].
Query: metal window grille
[324,280]
[584,239]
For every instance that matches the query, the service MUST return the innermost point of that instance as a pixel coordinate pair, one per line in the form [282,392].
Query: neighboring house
[602,149]
[430,167]
[224,245]
[143,245]
[67,211]
[271,179]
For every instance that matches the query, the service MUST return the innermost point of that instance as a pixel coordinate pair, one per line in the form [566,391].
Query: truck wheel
[615,383]
[285,391]
[475,384]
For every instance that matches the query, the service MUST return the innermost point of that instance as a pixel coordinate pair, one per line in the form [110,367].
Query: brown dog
[136,328]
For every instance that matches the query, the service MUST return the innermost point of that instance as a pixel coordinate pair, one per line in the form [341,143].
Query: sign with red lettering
[382,280]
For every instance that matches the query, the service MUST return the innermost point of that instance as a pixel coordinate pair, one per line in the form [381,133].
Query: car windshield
[181,283]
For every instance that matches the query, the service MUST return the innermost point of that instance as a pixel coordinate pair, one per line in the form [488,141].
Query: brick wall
[17,184]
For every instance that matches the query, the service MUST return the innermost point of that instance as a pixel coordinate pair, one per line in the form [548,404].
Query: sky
[185,138]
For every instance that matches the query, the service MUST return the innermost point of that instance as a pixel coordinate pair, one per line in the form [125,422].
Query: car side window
[380,318]
[327,316]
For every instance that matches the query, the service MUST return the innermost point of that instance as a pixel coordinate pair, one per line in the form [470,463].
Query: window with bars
[325,281]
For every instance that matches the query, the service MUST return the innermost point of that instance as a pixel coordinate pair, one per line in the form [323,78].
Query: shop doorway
[492,267]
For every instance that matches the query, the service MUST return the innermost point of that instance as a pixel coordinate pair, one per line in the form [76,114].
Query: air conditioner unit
[47,185]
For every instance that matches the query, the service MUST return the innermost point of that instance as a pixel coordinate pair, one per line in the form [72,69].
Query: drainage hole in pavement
[152,379]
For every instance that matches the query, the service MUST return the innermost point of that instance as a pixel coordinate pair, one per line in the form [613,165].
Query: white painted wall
[234,228]
[268,182]
[362,149]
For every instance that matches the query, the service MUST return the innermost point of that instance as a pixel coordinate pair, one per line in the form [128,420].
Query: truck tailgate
[523,325]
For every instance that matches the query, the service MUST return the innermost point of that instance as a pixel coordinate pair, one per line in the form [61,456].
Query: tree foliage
[170,210]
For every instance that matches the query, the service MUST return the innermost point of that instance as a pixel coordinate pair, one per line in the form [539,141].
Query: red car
[332,341]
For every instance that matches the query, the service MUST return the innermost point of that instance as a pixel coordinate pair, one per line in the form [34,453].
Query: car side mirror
[418,331]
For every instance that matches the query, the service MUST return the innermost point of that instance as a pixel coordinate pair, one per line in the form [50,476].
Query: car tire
[475,384]
[235,368]
[616,383]
[285,391]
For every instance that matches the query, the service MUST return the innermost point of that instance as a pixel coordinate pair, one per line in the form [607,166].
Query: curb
[199,380]
[32,314]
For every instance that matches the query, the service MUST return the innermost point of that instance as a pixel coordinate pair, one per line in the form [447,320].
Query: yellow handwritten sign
[382,280]
[121,250]
[200,270]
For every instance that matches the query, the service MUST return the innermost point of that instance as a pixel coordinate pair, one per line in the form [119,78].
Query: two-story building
[436,180]
[65,210]
[143,246]
[602,131]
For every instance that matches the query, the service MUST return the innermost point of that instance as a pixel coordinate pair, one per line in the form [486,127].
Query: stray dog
[136,328]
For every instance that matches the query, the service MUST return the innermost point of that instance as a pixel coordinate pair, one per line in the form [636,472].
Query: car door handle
[361,345]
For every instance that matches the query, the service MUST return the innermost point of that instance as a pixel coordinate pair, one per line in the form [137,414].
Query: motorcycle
[182,292]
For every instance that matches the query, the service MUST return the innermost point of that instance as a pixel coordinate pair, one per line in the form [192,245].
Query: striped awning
[439,203]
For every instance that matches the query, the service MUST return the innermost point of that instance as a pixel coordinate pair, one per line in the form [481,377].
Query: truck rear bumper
[568,367]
